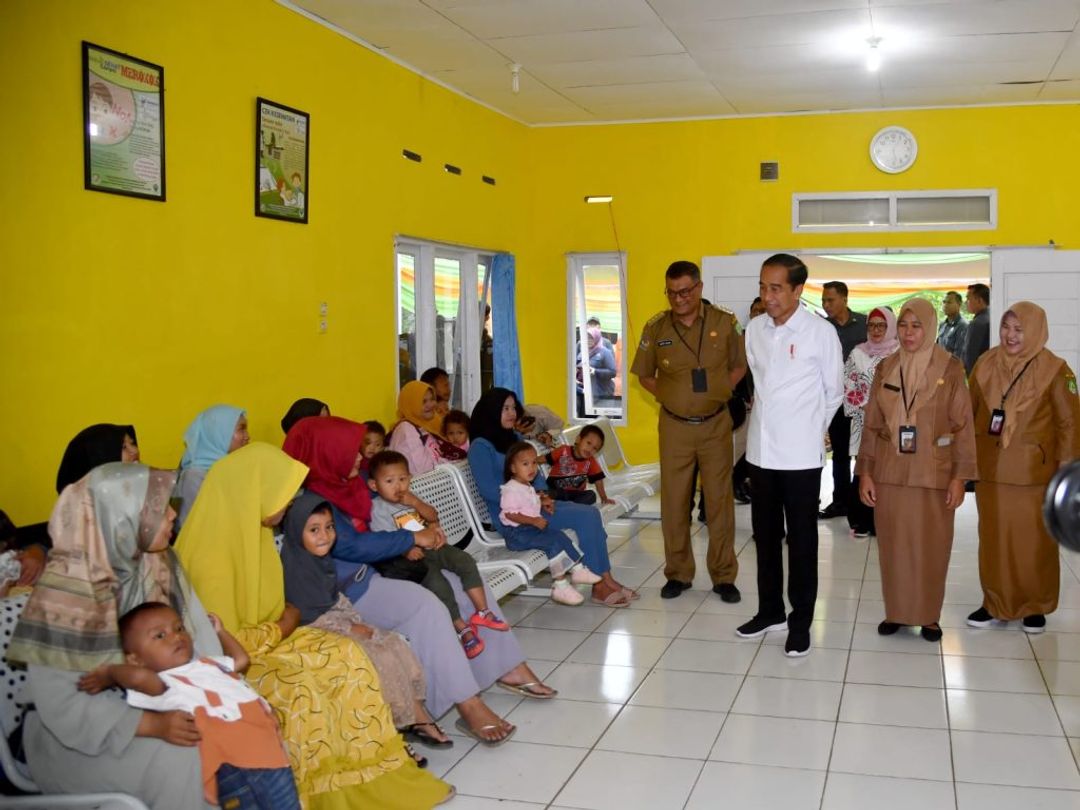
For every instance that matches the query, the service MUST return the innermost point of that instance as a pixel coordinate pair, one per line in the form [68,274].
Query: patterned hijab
[99,569]
[329,446]
[310,581]
[227,552]
[889,343]
[997,369]
[410,408]
[209,436]
[96,445]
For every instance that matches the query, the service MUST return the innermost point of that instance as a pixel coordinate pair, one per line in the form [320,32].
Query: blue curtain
[507,357]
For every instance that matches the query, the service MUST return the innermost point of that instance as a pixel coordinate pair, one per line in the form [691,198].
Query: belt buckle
[695,420]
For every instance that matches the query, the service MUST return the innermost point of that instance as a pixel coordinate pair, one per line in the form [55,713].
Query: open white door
[732,281]
[1047,277]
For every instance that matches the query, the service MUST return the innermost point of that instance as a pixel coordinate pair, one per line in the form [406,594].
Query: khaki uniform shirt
[668,350]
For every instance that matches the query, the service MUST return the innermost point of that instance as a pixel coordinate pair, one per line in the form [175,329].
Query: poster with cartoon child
[281,162]
[123,124]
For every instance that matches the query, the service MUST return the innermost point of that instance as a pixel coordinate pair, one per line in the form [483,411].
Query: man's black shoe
[727,592]
[742,493]
[673,588]
[832,511]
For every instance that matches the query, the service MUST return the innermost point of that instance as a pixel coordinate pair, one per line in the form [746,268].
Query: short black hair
[838,286]
[515,450]
[980,291]
[757,300]
[796,270]
[128,619]
[386,458]
[456,417]
[432,374]
[374,426]
[683,268]
[592,430]
[954,295]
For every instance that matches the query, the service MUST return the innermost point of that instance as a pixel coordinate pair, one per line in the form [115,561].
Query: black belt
[696,420]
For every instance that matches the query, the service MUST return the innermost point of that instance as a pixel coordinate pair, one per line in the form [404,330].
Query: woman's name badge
[997,422]
[699,380]
[907,438]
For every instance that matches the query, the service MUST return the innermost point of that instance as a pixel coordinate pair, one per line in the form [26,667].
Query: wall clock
[893,149]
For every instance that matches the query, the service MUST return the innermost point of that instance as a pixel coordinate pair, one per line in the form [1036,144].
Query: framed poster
[281,161]
[123,124]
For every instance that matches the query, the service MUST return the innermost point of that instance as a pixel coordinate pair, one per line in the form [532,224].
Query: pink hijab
[889,343]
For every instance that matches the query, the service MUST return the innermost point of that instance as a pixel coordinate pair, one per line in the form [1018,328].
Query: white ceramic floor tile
[781,741]
[830,635]
[650,599]
[663,732]
[461,802]
[551,645]
[1057,646]
[999,675]
[516,608]
[596,683]
[788,697]
[755,787]
[675,689]
[915,753]
[894,669]
[518,771]
[904,640]
[1068,709]
[820,665]
[560,617]
[987,643]
[441,760]
[846,791]
[577,724]
[1014,759]
[1002,711]
[1063,677]
[714,627]
[708,656]
[997,797]
[893,706]
[620,650]
[644,623]
[610,779]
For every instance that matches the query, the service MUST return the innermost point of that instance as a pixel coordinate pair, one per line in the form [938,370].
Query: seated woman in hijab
[331,448]
[104,528]
[302,408]
[491,432]
[418,432]
[339,734]
[94,446]
[216,432]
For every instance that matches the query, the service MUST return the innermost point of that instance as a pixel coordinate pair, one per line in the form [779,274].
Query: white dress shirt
[798,385]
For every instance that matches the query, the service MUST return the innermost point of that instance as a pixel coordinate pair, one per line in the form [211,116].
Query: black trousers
[859,515]
[786,497]
[840,439]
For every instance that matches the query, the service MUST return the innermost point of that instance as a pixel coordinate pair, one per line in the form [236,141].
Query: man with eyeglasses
[690,358]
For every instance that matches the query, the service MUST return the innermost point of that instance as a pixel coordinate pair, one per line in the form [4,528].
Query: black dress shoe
[673,588]
[887,628]
[832,511]
[741,493]
[931,633]
[727,592]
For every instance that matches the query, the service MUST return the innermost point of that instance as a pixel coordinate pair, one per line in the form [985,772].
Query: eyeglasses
[877,327]
[686,293]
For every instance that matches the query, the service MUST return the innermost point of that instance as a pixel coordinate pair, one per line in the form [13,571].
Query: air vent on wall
[770,171]
[414,156]
[452,169]
[489,180]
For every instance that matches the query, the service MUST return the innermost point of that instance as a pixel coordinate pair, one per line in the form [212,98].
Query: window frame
[575,264]
[893,226]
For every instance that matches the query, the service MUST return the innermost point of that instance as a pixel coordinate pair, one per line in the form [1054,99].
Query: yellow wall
[690,189]
[124,310]
[115,309]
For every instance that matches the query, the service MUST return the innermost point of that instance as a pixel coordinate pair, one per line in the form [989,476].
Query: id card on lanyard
[908,438]
[997,415]
[699,380]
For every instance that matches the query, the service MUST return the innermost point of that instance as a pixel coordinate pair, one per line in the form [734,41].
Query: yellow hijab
[996,369]
[228,554]
[921,369]
[410,408]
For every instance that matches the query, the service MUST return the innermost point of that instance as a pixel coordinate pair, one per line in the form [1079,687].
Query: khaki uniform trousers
[709,446]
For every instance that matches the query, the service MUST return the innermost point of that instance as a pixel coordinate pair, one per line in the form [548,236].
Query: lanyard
[903,394]
[701,338]
[1016,379]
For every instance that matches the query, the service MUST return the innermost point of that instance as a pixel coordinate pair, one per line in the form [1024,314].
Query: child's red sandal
[471,643]
[485,618]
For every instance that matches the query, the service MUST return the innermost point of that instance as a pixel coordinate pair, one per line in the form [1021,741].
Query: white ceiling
[610,60]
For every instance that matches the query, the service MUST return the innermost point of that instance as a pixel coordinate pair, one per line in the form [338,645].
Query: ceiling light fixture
[515,77]
[599,198]
[873,58]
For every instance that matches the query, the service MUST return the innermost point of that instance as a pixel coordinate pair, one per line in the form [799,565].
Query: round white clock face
[893,149]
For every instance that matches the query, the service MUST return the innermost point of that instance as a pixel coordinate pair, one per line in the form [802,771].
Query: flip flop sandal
[416,734]
[526,690]
[615,599]
[631,594]
[468,731]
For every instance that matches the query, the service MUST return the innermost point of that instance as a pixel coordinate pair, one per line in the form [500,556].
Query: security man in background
[690,358]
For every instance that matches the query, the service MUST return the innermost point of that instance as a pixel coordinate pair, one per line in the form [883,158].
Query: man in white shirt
[797,364]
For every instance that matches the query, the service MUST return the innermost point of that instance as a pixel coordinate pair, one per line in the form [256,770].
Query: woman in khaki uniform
[1026,425]
[918,449]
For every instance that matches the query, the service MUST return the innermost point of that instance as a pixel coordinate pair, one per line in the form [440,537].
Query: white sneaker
[581,575]
[566,594]
[560,564]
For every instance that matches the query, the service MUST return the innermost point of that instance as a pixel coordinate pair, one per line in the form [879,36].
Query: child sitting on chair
[456,429]
[574,466]
[521,505]
[238,739]
[397,508]
[374,443]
